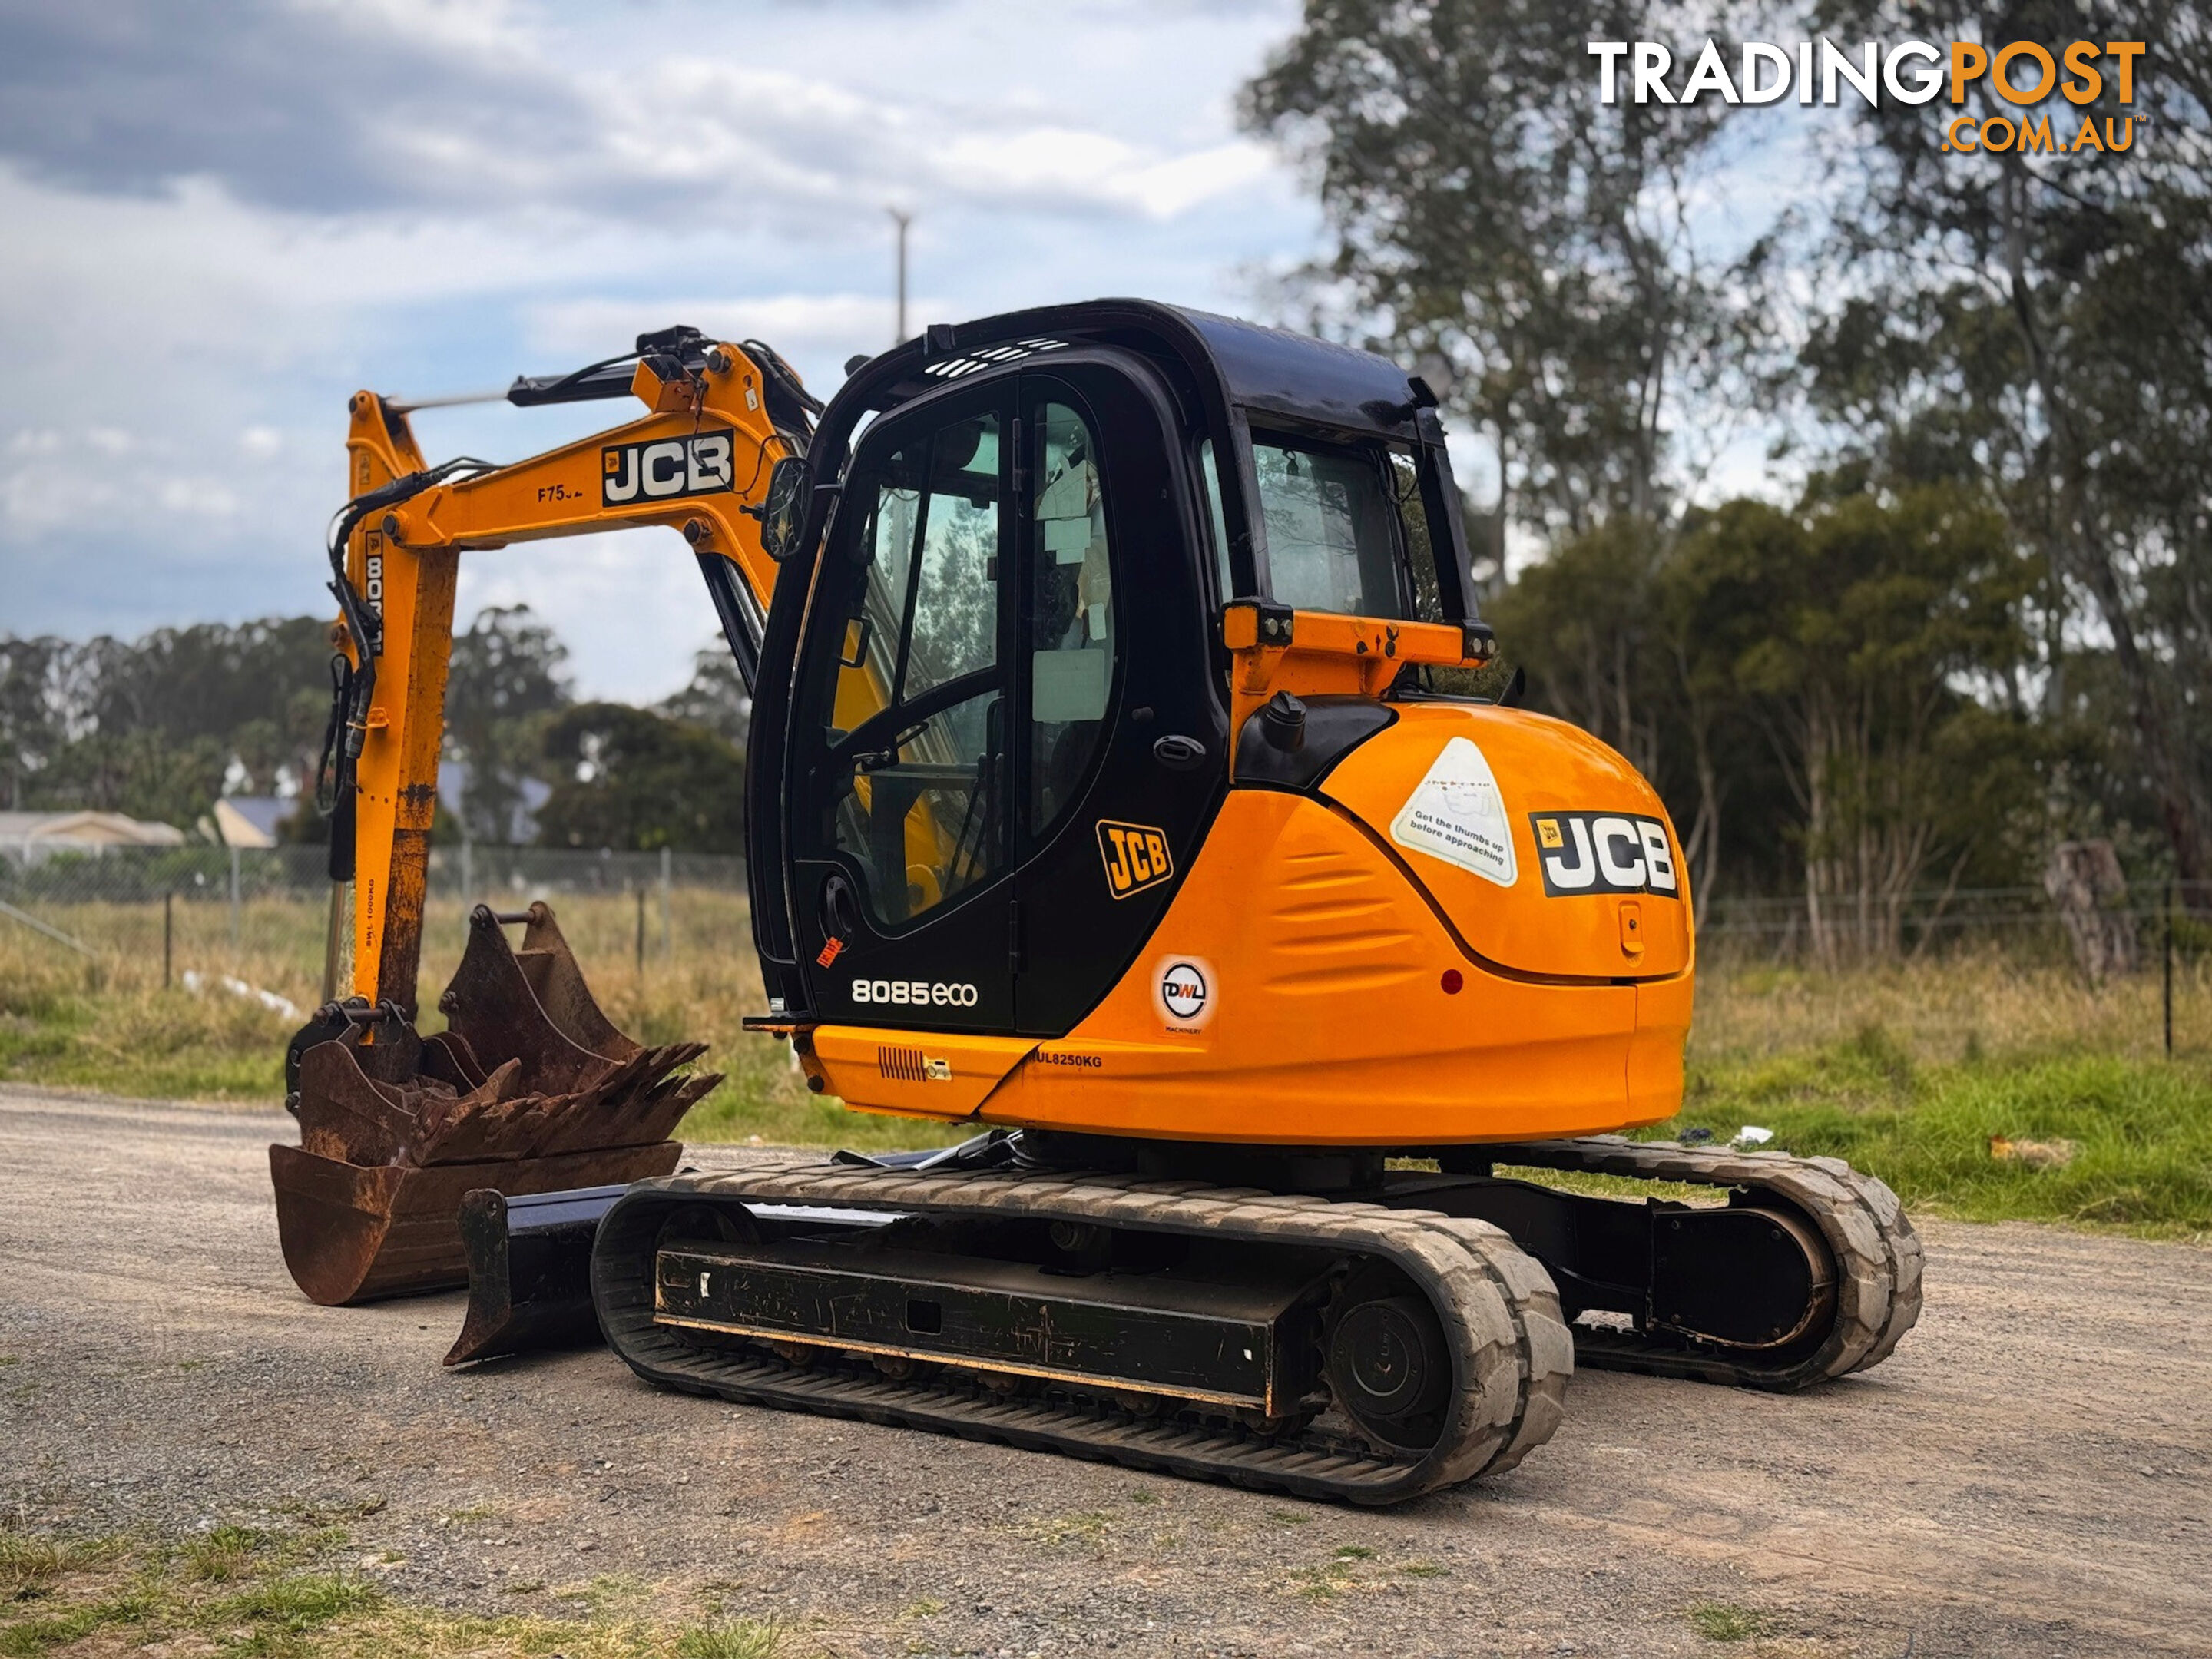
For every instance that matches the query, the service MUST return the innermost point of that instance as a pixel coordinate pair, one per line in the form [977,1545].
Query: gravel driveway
[2031,1474]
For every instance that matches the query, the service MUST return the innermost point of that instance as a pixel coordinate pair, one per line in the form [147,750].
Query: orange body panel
[1322,956]
[1328,654]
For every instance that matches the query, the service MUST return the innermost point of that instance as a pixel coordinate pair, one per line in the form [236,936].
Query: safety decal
[1604,852]
[697,464]
[1184,994]
[1458,814]
[1136,857]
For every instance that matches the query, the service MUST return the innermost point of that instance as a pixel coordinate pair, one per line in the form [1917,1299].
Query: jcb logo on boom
[1604,852]
[1136,857]
[668,469]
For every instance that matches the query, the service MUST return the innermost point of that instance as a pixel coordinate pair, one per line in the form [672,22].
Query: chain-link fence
[148,916]
[2123,929]
[2122,966]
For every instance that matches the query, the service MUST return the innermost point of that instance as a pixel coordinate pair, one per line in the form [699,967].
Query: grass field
[1908,1072]
[288,1592]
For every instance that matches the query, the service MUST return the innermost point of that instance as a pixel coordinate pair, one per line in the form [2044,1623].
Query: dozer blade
[532,1089]
[530,1271]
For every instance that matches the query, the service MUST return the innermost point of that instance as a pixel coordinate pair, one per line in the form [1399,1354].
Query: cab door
[1120,736]
[901,772]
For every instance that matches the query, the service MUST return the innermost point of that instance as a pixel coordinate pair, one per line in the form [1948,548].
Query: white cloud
[631,607]
[220,225]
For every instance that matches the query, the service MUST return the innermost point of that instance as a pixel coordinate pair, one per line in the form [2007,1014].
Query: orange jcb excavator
[1106,792]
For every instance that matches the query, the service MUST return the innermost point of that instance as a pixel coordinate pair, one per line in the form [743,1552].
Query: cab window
[1340,521]
[911,778]
[1072,613]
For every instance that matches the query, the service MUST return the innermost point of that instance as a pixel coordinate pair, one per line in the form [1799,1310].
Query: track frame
[1511,1353]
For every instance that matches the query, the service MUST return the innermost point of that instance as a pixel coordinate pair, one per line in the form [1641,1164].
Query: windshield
[1340,521]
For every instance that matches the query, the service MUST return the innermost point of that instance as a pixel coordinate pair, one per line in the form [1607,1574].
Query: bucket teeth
[530,1067]
[456,1128]
[529,1075]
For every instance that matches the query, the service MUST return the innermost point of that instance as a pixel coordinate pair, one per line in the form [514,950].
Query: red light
[1452,981]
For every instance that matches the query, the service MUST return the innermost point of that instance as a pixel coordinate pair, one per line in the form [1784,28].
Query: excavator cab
[1005,643]
[1009,716]
[1107,630]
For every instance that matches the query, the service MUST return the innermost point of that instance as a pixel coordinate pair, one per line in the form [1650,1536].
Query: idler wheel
[1388,1364]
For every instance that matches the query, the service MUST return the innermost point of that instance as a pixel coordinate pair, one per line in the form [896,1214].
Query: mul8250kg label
[1604,852]
[667,468]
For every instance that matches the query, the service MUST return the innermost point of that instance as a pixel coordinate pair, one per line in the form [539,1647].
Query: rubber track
[1512,1352]
[1877,1257]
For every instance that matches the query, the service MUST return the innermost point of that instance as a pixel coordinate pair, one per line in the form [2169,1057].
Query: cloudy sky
[222,219]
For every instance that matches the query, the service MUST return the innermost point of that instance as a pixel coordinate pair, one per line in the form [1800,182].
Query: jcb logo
[695,465]
[1136,857]
[1604,852]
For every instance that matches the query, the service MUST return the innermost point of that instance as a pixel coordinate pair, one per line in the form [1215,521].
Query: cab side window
[1072,613]
[1332,524]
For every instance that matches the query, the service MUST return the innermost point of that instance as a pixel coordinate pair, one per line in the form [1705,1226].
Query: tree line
[1977,623]
[161,727]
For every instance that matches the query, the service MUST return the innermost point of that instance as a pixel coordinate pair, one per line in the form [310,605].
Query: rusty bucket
[530,1089]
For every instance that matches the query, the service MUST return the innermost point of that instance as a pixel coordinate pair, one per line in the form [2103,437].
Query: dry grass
[1966,1006]
[1906,1070]
[1911,1070]
[110,1024]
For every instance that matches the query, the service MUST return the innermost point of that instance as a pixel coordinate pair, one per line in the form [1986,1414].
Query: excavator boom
[701,461]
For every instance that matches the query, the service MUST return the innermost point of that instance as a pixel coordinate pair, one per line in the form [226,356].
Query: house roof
[251,820]
[85,829]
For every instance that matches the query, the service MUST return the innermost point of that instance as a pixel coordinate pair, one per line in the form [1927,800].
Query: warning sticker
[1458,816]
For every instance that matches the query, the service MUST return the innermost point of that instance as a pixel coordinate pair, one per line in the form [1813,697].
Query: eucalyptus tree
[2040,320]
[1490,214]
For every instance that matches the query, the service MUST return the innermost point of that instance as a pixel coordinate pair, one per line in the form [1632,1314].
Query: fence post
[235,930]
[168,933]
[641,928]
[2169,970]
[667,880]
[468,880]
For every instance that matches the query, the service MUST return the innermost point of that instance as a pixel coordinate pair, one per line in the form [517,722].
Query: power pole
[902,220]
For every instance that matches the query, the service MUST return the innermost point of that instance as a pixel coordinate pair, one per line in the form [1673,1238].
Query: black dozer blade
[530,1256]
[530,1271]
